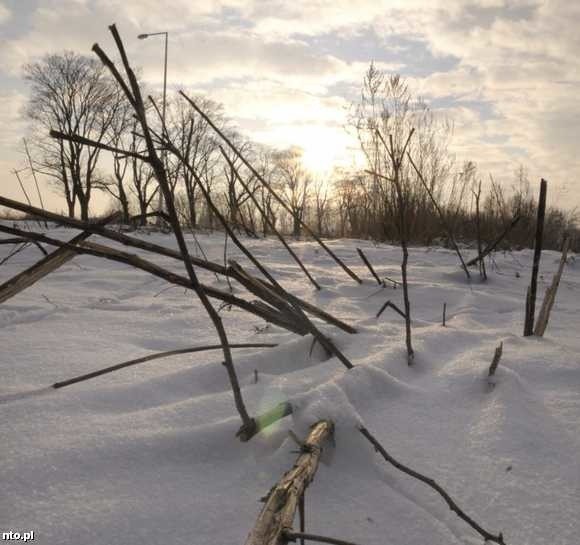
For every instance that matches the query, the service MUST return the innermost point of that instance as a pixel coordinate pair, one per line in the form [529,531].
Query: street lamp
[144,37]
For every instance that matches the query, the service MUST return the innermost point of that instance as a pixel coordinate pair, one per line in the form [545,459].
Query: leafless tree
[191,134]
[296,184]
[70,93]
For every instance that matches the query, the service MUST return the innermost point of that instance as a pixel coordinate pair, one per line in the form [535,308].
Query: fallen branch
[269,187]
[259,309]
[431,483]
[492,246]
[150,357]
[394,307]
[277,515]
[45,266]
[148,247]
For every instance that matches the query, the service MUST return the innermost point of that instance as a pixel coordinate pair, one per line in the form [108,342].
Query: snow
[149,455]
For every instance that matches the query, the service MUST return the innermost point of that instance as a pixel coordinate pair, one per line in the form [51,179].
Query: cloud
[5,14]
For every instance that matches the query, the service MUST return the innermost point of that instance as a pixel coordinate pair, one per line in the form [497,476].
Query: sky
[505,73]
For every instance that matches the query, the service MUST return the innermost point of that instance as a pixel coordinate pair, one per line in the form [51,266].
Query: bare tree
[70,93]
[295,182]
[120,136]
[193,137]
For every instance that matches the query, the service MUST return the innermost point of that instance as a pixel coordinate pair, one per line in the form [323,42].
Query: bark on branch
[431,483]
[277,516]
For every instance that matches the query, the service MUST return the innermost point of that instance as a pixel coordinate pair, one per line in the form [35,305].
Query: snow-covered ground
[148,454]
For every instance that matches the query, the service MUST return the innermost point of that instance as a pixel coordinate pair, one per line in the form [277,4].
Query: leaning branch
[493,245]
[269,187]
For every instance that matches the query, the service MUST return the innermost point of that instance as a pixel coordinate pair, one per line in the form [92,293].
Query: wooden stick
[492,246]
[550,296]
[431,483]
[394,307]
[531,302]
[278,512]
[269,187]
[369,266]
[150,357]
[155,248]
[495,362]
[444,313]
[293,536]
[45,266]
[263,311]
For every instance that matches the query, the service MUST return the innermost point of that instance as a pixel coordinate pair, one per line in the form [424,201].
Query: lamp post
[143,37]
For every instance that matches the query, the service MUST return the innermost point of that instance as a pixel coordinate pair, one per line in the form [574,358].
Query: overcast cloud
[506,72]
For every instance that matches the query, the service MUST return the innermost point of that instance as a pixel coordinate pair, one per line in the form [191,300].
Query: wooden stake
[531,302]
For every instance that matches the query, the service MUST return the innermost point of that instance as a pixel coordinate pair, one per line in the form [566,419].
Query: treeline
[410,183]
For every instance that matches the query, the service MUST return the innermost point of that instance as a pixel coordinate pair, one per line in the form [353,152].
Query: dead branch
[369,267]
[93,143]
[98,250]
[431,483]
[493,245]
[268,221]
[269,187]
[149,247]
[277,515]
[550,296]
[45,266]
[279,298]
[495,362]
[394,307]
[150,357]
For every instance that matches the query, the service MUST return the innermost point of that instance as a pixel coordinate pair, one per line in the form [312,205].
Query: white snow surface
[149,455]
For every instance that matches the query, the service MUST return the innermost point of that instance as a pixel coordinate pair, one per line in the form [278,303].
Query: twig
[431,483]
[45,266]
[491,247]
[495,362]
[151,357]
[268,221]
[393,306]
